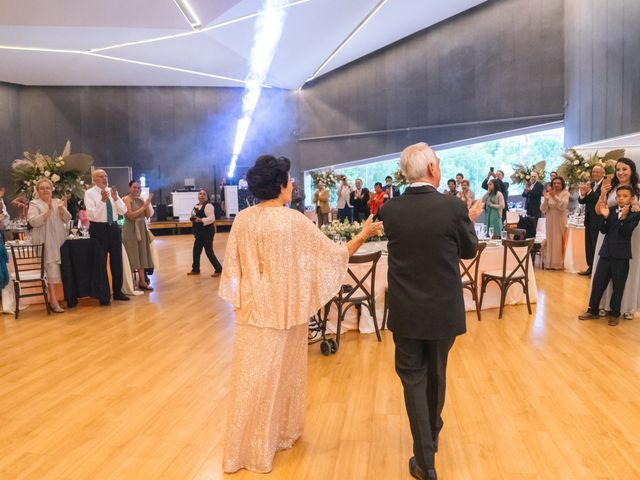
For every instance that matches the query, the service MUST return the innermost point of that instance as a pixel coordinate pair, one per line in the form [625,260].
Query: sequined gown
[279,269]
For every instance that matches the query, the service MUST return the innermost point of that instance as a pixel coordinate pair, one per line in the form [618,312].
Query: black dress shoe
[586,273]
[105,303]
[419,473]
[120,296]
[588,316]
[614,320]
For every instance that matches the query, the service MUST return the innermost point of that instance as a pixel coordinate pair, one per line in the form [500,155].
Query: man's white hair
[415,159]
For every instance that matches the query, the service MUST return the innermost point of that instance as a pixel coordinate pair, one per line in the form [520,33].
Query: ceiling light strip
[134,62]
[195,32]
[174,69]
[360,26]
[189,13]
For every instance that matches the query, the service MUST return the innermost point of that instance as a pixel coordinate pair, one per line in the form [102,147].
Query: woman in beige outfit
[555,209]
[278,270]
[49,216]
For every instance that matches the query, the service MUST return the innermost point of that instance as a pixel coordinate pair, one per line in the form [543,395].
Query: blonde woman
[49,216]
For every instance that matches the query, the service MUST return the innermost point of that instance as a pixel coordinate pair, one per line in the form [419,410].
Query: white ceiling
[217,57]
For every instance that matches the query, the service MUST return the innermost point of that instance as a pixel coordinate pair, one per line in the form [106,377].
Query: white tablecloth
[575,259]
[491,260]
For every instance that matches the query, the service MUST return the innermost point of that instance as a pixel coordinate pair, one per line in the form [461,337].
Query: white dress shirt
[344,195]
[4,215]
[97,209]
[208,211]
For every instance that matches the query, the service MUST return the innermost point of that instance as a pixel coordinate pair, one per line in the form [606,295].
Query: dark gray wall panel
[501,60]
[10,145]
[166,133]
[602,69]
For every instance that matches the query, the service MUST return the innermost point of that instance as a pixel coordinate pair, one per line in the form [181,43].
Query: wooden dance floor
[139,390]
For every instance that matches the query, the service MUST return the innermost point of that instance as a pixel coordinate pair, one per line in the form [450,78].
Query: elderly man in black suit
[589,194]
[532,195]
[428,234]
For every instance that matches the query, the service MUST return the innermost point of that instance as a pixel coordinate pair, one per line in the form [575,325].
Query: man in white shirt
[103,204]
[243,184]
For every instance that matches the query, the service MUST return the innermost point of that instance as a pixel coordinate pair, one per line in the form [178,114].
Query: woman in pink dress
[279,269]
[555,208]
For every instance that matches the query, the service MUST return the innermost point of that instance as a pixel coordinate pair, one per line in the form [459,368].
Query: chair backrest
[360,282]
[522,258]
[28,259]
[469,271]
[516,234]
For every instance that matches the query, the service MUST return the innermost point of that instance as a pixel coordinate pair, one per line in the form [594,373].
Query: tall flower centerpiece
[522,172]
[328,177]
[346,230]
[576,169]
[65,171]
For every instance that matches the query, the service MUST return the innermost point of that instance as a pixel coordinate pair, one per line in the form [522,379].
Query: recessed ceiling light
[187,10]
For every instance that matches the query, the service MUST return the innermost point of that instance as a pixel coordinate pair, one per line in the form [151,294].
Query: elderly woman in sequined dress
[279,269]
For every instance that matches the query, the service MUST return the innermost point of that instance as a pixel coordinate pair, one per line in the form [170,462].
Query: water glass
[336,238]
[503,234]
[490,232]
[343,240]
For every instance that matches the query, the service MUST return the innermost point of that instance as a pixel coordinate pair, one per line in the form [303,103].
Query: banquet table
[575,259]
[491,260]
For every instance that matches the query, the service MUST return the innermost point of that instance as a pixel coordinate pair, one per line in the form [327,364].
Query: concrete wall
[166,133]
[485,69]
[602,69]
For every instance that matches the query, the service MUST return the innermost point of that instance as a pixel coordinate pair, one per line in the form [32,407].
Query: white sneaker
[602,312]
[628,315]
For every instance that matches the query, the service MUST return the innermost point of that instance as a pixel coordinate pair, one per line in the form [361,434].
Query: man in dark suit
[589,194]
[390,189]
[615,253]
[360,202]
[532,195]
[428,234]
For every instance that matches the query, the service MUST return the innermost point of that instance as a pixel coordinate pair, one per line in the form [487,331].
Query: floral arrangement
[576,169]
[345,229]
[328,177]
[65,171]
[522,172]
[399,179]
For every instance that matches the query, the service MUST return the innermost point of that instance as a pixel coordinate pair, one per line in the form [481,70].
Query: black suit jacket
[362,205]
[396,191]
[617,235]
[533,199]
[592,220]
[428,234]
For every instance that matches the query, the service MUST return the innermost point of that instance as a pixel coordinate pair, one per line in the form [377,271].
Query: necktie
[109,212]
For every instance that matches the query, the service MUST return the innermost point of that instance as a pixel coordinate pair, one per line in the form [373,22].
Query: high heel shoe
[57,309]
[145,287]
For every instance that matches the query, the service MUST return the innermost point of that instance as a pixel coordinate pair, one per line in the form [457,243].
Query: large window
[472,160]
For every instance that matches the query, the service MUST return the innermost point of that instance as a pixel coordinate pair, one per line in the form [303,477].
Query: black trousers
[204,239]
[110,239]
[422,368]
[615,270]
[590,240]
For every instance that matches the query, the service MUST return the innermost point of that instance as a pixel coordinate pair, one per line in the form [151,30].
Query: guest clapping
[390,190]
[532,194]
[103,205]
[202,218]
[135,235]
[376,199]
[49,216]
[465,194]
[452,188]
[360,202]
[556,200]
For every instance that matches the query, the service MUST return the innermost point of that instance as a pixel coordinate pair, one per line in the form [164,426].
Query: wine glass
[490,232]
[483,231]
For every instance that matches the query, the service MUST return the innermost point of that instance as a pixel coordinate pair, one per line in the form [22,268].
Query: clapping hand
[147,201]
[114,193]
[585,188]
[602,209]
[624,212]
[105,195]
[371,228]
[476,210]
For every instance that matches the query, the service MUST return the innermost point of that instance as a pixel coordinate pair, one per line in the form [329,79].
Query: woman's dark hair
[268,176]
[133,181]
[494,182]
[558,177]
[376,184]
[634,175]
[451,180]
